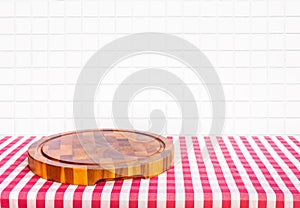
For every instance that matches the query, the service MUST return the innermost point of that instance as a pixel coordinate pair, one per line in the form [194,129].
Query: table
[238,172]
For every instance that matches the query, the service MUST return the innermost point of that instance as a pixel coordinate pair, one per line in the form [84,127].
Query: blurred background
[253,45]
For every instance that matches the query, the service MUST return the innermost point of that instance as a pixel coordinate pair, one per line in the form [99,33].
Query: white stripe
[14,194]
[162,190]
[216,191]
[69,196]
[291,157]
[106,193]
[253,196]
[50,195]
[292,144]
[271,202]
[179,185]
[235,195]
[17,170]
[87,196]
[9,140]
[12,148]
[12,175]
[125,193]
[32,194]
[143,193]
[287,194]
[197,185]
[288,202]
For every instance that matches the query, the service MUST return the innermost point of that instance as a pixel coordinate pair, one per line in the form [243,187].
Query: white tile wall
[254,46]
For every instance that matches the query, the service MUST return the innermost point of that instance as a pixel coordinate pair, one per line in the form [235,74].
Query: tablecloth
[239,171]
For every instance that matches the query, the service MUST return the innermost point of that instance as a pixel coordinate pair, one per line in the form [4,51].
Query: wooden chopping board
[86,157]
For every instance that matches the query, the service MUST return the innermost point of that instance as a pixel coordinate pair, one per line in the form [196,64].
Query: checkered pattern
[240,172]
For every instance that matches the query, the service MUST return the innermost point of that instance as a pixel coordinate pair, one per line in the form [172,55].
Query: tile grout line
[15,75]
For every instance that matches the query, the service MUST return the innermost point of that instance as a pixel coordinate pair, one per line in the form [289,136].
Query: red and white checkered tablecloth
[240,172]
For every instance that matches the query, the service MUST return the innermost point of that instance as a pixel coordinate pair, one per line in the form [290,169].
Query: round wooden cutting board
[85,157]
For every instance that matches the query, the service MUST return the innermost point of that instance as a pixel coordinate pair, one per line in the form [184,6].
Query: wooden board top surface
[104,154]
[100,147]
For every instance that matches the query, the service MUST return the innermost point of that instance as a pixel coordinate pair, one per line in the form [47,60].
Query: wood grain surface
[85,157]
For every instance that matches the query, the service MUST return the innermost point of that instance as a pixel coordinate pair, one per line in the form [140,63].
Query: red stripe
[12,167]
[289,148]
[5,193]
[96,196]
[152,192]
[296,142]
[115,193]
[266,173]
[4,139]
[17,162]
[208,197]
[77,198]
[41,195]
[134,192]
[9,145]
[22,198]
[226,196]
[262,197]
[286,160]
[188,183]
[171,188]
[244,195]
[59,195]
[280,172]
